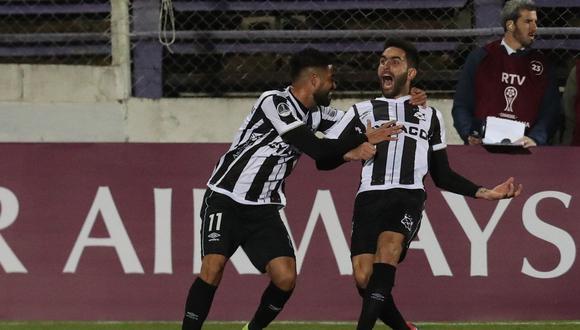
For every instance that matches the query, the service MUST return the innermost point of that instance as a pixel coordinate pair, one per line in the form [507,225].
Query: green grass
[548,325]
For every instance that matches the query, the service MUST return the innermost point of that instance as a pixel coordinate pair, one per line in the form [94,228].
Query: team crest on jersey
[283,110]
[537,67]
[407,221]
[419,115]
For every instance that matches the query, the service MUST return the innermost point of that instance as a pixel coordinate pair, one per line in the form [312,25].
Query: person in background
[509,79]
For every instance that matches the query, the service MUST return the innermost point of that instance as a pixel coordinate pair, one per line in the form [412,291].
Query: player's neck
[404,92]
[305,97]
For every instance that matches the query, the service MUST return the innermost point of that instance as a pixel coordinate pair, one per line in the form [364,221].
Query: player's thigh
[404,212]
[404,217]
[221,225]
[267,239]
[366,222]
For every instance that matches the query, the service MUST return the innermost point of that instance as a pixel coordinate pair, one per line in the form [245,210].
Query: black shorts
[376,211]
[258,229]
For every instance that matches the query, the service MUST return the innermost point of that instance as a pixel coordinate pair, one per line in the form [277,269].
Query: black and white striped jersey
[402,163]
[253,170]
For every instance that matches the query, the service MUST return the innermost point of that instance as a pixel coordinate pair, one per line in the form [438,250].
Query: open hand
[385,132]
[507,189]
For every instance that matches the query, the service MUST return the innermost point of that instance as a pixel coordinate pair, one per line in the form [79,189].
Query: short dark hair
[411,52]
[307,58]
[511,10]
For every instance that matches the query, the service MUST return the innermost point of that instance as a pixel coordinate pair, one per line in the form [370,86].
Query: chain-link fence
[228,47]
[55,31]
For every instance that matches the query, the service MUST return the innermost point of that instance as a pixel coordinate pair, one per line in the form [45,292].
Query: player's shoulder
[279,95]
[364,106]
[275,98]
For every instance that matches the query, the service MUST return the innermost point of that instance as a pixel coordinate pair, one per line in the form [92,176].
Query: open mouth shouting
[387,81]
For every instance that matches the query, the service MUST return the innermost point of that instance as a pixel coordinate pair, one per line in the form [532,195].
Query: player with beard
[507,78]
[391,196]
[246,188]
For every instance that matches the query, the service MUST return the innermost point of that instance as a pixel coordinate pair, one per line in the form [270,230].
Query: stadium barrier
[111,232]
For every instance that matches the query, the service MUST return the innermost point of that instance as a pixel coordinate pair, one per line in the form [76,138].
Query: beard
[523,39]
[399,83]
[322,98]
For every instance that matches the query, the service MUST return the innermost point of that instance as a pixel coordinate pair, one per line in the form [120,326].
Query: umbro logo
[407,221]
[274,308]
[377,296]
[192,316]
[213,237]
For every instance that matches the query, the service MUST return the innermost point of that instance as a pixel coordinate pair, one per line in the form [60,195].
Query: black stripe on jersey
[407,175]
[231,177]
[410,111]
[261,178]
[380,112]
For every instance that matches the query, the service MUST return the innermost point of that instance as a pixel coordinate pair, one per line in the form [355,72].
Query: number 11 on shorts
[213,217]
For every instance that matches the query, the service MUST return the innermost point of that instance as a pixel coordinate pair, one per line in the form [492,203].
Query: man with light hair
[508,79]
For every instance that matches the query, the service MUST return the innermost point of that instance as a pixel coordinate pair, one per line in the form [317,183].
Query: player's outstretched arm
[507,189]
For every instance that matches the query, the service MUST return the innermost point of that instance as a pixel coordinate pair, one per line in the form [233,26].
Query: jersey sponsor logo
[537,67]
[510,94]
[407,221]
[242,147]
[415,131]
[282,149]
[283,110]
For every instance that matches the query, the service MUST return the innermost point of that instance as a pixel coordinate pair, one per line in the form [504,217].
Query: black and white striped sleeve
[281,114]
[437,133]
